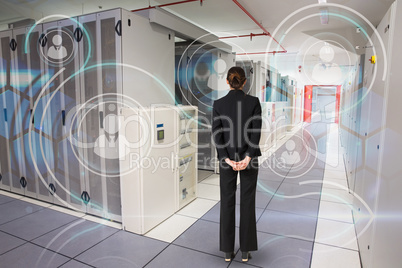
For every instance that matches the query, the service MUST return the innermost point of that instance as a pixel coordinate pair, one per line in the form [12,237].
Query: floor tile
[340,184]
[238,264]
[214,214]
[313,172]
[334,155]
[68,211]
[9,242]
[340,167]
[10,194]
[197,208]
[171,228]
[74,264]
[208,191]
[304,179]
[212,179]
[332,158]
[261,199]
[335,211]
[336,195]
[203,174]
[290,190]
[332,257]
[37,224]
[335,150]
[16,209]
[279,252]
[74,238]
[335,162]
[266,174]
[203,236]
[267,186]
[179,257]
[36,202]
[314,162]
[300,206]
[287,224]
[122,249]
[336,233]
[29,255]
[109,223]
[5,199]
[273,169]
[335,174]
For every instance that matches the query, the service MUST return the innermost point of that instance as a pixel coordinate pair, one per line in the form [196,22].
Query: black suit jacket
[236,126]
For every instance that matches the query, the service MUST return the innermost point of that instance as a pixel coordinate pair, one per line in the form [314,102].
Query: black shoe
[245,256]
[229,256]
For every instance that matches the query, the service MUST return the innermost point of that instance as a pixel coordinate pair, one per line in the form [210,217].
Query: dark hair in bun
[236,77]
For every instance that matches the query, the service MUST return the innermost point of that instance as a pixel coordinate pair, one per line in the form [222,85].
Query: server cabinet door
[89,114]
[68,171]
[50,116]
[100,55]
[57,104]
[372,125]
[35,143]
[202,81]
[5,90]
[17,104]
[24,78]
[110,34]
[355,146]
[363,132]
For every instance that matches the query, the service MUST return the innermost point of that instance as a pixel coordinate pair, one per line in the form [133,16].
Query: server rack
[187,151]
[280,119]
[5,64]
[267,129]
[150,194]
[376,168]
[49,152]
[199,83]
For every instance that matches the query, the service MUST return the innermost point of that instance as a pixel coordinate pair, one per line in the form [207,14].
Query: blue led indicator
[159,125]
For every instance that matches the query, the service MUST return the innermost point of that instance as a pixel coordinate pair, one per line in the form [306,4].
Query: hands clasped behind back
[238,166]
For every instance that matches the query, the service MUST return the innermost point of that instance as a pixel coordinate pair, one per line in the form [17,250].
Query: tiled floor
[204,174]
[303,214]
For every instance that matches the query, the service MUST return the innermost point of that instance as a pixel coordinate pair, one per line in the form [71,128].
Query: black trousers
[248,229]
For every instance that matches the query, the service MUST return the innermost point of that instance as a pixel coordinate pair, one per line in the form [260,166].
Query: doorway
[321,103]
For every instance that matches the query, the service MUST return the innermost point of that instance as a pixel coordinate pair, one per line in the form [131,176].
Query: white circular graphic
[57,52]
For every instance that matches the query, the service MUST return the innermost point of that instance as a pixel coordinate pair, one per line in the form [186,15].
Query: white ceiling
[224,17]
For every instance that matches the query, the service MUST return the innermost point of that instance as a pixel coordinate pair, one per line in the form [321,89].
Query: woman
[236,131]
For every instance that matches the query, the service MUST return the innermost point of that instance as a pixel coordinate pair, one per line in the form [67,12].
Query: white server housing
[159,169]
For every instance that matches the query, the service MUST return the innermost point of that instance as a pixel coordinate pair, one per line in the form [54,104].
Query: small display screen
[161,135]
